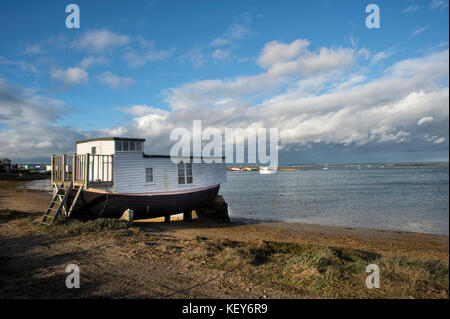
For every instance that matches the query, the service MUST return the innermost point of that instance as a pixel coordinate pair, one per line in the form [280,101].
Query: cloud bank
[316,98]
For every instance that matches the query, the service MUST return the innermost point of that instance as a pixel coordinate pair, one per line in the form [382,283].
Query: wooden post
[187,216]
[51,171]
[167,219]
[73,168]
[112,169]
[64,167]
[87,171]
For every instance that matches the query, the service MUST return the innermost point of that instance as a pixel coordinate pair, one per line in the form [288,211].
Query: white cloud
[419,30]
[276,52]
[238,30]
[350,110]
[139,110]
[93,60]
[281,58]
[100,40]
[114,81]
[70,76]
[364,53]
[411,8]
[382,55]
[439,4]
[195,56]
[31,124]
[34,49]
[321,103]
[220,54]
[13,64]
[424,120]
[147,53]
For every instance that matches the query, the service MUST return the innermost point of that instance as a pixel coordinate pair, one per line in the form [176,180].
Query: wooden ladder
[80,188]
[58,203]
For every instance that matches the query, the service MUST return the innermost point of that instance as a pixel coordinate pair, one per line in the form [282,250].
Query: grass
[328,272]
[311,271]
[76,227]
[7,214]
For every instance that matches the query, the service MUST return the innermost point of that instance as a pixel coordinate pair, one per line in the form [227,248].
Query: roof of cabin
[112,139]
[191,157]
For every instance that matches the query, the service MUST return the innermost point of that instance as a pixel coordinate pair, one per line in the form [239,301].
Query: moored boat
[267,169]
[107,176]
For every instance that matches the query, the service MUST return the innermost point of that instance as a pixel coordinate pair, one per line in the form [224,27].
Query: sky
[337,91]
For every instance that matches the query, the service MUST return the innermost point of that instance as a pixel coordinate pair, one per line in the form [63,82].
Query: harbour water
[399,198]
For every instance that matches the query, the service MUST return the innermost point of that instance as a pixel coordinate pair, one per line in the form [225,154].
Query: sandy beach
[205,259]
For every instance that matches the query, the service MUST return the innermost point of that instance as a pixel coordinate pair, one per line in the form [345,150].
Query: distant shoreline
[370,165]
[24,177]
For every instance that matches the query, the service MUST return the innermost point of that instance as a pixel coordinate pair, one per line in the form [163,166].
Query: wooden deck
[83,170]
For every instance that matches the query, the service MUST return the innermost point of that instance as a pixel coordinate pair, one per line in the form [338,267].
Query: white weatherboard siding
[102,147]
[98,172]
[129,171]
[129,174]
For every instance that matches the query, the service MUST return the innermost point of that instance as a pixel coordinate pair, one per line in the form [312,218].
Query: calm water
[411,199]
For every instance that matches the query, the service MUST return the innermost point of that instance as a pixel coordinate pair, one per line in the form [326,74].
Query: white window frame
[138,146]
[183,168]
[116,144]
[153,175]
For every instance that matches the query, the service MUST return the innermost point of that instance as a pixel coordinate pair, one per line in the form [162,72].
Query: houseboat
[109,175]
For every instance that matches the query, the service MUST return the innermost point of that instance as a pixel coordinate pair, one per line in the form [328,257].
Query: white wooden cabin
[134,172]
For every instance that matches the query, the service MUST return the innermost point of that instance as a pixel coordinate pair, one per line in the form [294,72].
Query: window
[185,173]
[125,146]
[149,175]
[139,146]
[93,150]
[118,146]
[189,173]
[132,146]
[181,178]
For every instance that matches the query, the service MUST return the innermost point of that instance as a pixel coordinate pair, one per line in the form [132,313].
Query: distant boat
[237,168]
[267,169]
[326,167]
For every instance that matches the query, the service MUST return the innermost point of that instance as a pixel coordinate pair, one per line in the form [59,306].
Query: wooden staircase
[58,203]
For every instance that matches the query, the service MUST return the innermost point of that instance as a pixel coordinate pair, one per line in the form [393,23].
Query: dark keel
[110,205]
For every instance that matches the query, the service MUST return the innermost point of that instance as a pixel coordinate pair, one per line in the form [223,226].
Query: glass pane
[139,146]
[188,169]
[132,146]
[125,146]
[118,146]
[189,180]
[149,174]
[181,173]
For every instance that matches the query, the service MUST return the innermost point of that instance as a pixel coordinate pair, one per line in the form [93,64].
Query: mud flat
[205,259]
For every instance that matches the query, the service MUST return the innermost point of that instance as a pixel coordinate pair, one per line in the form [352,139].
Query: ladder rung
[60,198]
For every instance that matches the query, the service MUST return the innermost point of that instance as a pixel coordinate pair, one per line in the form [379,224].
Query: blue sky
[144,67]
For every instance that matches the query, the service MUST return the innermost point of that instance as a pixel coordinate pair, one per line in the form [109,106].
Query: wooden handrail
[83,169]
